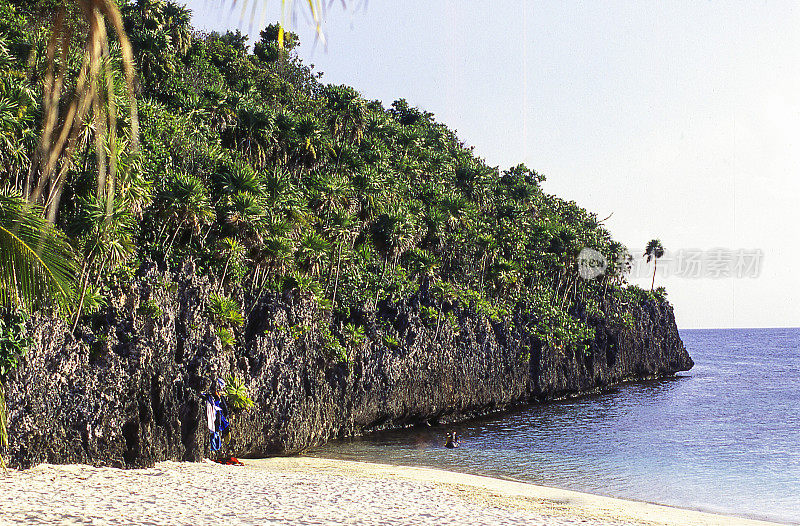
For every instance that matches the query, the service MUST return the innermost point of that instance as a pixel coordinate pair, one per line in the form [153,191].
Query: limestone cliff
[127,394]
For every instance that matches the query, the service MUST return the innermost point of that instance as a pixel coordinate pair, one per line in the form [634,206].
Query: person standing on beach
[216,415]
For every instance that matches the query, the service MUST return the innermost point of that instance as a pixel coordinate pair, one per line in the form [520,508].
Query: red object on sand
[230,461]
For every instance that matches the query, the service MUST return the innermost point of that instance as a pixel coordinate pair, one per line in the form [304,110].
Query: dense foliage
[269,179]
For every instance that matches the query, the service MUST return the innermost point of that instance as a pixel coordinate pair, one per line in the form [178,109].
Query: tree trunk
[84,280]
[655,266]
[224,271]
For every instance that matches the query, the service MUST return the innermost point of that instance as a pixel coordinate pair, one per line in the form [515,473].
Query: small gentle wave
[724,437]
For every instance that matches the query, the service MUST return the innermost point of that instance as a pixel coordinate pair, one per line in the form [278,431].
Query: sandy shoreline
[307,490]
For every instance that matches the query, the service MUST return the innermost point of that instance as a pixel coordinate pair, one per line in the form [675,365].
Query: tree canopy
[269,179]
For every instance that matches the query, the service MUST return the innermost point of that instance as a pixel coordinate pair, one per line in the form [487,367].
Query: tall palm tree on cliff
[654,251]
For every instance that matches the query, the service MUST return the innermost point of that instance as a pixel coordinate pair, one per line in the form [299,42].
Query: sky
[680,120]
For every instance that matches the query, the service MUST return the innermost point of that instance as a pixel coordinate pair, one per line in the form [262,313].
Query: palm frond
[236,393]
[37,264]
[315,8]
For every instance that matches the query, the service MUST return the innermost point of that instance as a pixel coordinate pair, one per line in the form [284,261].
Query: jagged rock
[128,394]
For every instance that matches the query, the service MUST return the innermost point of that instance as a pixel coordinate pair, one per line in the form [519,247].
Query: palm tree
[312,253]
[254,133]
[238,176]
[334,196]
[506,276]
[177,19]
[222,111]
[392,233]
[18,107]
[421,264]
[245,213]
[654,251]
[149,29]
[311,144]
[272,257]
[341,230]
[409,139]
[348,116]
[369,185]
[37,264]
[233,252]
[487,248]
[185,202]
[106,241]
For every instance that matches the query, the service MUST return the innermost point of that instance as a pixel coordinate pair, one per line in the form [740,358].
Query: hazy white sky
[681,118]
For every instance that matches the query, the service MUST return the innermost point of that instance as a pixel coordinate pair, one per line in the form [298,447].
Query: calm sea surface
[723,437]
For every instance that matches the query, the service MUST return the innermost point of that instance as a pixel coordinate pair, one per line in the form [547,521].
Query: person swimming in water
[452,440]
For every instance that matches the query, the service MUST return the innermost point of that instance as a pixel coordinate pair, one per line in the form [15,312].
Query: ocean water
[723,437]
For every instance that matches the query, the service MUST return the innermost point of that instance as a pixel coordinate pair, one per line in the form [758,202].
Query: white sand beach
[306,490]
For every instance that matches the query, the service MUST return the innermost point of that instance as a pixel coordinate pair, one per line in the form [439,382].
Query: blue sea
[723,437]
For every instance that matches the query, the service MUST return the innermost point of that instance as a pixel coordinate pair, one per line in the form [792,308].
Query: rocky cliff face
[127,393]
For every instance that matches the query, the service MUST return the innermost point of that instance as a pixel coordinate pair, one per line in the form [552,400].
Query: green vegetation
[236,393]
[14,341]
[224,311]
[390,341]
[36,262]
[150,309]
[353,334]
[226,338]
[270,180]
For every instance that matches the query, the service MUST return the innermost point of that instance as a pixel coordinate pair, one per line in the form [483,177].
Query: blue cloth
[216,441]
[222,422]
